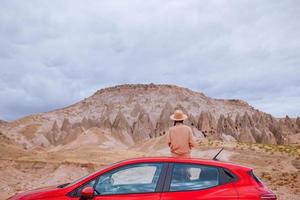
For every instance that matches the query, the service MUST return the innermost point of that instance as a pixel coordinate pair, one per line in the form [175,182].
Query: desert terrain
[131,121]
[21,170]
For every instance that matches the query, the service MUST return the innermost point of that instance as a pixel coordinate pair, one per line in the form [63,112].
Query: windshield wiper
[63,185]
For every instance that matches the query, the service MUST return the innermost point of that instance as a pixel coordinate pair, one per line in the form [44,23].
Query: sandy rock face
[191,121]
[105,123]
[85,123]
[226,127]
[136,110]
[283,131]
[164,121]
[54,133]
[143,128]
[197,133]
[268,137]
[291,125]
[66,125]
[257,134]
[122,130]
[245,135]
[134,113]
[207,124]
[65,134]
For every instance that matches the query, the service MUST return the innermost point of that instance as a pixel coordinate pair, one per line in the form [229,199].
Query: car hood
[39,193]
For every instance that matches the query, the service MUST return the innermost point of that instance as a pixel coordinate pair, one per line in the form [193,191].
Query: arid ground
[20,170]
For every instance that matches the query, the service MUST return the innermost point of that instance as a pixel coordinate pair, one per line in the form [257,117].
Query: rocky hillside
[134,113]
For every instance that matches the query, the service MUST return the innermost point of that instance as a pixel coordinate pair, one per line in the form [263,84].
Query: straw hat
[178,116]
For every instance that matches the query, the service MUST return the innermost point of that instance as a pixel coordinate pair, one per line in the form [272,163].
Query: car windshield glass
[132,178]
[82,178]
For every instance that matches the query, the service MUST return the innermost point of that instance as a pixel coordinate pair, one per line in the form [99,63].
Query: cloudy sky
[54,53]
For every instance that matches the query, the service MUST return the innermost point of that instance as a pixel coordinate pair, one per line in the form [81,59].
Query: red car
[160,178]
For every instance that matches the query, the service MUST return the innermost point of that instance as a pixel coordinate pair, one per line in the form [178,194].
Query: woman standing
[180,137]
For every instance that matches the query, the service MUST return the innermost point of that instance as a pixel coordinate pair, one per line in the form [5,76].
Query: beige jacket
[180,139]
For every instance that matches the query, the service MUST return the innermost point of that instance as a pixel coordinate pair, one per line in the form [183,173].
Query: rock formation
[257,134]
[268,137]
[136,110]
[85,123]
[66,125]
[143,128]
[164,121]
[134,113]
[207,124]
[192,121]
[105,123]
[225,126]
[121,129]
[54,134]
[245,135]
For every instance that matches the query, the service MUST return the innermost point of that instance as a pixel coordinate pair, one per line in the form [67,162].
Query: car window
[226,176]
[136,178]
[134,175]
[139,178]
[193,177]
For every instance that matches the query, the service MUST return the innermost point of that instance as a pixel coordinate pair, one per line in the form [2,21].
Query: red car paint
[243,186]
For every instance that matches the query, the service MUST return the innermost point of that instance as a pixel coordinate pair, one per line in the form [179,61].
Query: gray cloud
[54,53]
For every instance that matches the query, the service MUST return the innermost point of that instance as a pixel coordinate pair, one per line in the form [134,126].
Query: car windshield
[77,180]
[82,178]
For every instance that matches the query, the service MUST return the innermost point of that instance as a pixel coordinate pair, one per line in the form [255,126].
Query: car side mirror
[87,193]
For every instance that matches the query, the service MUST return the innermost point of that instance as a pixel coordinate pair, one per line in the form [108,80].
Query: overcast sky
[54,53]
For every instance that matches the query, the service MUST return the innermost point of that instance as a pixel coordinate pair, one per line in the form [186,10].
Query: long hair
[178,122]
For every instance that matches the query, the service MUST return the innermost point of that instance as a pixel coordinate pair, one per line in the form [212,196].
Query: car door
[198,182]
[134,181]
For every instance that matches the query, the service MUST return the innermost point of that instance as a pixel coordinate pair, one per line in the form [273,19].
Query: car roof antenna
[215,157]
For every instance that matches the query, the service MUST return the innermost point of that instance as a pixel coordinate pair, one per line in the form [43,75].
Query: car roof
[227,165]
[186,160]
